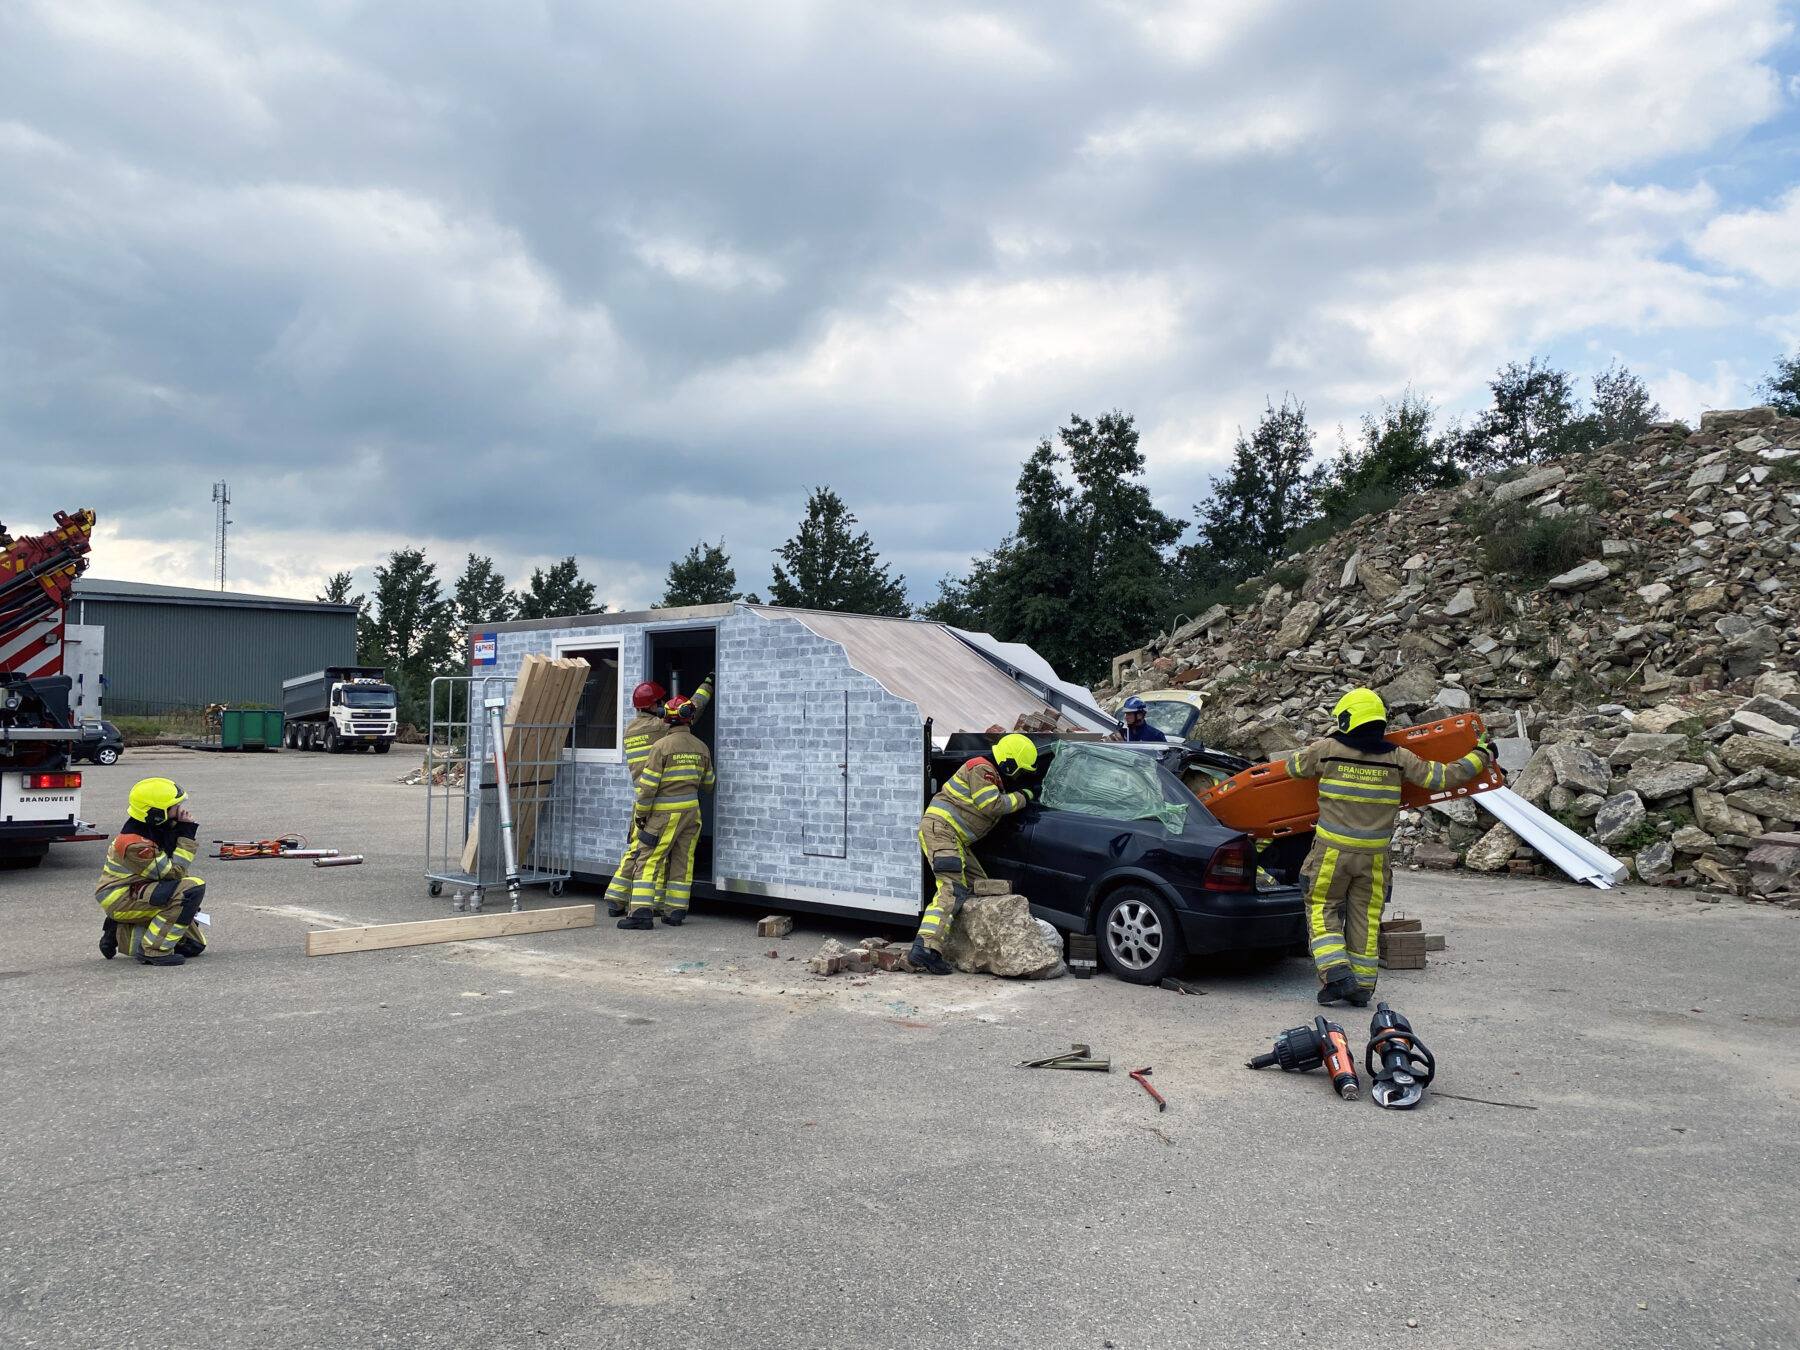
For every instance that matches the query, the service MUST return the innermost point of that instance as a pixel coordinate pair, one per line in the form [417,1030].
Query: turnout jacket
[1360,782]
[646,729]
[140,856]
[677,768]
[974,799]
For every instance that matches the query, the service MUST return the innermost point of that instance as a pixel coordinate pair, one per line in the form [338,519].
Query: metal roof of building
[146,593]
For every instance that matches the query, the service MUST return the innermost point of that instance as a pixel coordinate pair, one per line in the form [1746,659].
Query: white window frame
[560,646]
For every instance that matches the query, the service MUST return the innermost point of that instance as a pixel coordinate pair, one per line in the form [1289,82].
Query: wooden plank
[1402,925]
[376,937]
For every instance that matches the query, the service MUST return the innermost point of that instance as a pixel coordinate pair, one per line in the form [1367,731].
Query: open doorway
[679,660]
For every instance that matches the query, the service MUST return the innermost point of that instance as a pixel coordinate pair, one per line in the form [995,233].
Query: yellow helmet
[153,798]
[1015,754]
[1357,707]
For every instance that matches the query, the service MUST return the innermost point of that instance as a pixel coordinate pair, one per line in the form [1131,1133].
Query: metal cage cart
[477,837]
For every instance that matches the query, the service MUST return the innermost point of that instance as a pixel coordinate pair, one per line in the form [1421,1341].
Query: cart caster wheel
[437,888]
[475,900]
[556,889]
[456,900]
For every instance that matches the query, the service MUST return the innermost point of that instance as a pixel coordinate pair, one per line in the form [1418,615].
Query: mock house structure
[821,729]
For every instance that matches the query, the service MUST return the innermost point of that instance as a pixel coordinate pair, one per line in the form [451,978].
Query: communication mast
[221,500]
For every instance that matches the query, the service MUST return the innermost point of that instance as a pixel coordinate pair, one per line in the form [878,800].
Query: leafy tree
[1266,495]
[557,593]
[827,567]
[1085,573]
[1782,386]
[1622,406]
[1536,415]
[411,629]
[337,591]
[704,577]
[1396,455]
[481,594]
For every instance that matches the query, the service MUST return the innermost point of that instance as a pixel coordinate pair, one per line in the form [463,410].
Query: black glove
[186,829]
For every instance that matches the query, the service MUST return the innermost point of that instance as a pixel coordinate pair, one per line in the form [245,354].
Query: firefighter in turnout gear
[149,898]
[1347,875]
[643,731]
[967,807]
[667,820]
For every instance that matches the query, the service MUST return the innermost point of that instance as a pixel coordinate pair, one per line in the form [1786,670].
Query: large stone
[1705,601]
[1773,859]
[1660,718]
[1750,752]
[1490,852]
[1529,485]
[1655,780]
[996,934]
[1746,652]
[1580,578]
[1692,839]
[1580,769]
[1640,745]
[1414,687]
[1351,564]
[1781,684]
[1617,817]
[1715,817]
[1301,622]
[1655,593]
[1275,737]
[1534,781]
[1514,752]
[1376,582]
[1655,861]
[1773,709]
[1463,602]
[1768,802]
[1460,810]
[1456,700]
[1213,618]
[1758,725]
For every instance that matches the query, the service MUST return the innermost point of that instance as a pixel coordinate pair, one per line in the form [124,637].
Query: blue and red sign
[487,649]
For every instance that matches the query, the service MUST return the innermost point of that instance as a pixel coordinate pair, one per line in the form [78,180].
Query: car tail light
[1232,868]
[37,782]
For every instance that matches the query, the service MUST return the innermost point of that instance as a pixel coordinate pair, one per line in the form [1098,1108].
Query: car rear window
[1168,716]
[1096,780]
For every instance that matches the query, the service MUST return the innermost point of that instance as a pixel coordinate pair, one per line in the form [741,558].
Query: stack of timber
[1404,943]
[535,728]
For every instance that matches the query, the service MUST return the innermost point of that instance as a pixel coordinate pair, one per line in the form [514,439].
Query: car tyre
[106,755]
[1138,936]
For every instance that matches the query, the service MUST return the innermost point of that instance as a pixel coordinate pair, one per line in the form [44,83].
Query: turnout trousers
[159,918]
[951,861]
[665,873]
[618,890]
[1346,890]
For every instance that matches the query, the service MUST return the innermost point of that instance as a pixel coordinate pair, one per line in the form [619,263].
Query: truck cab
[340,708]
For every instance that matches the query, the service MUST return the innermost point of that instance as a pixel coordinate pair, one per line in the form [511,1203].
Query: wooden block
[332,941]
[1434,942]
[1403,943]
[1404,962]
[776,925]
[1402,925]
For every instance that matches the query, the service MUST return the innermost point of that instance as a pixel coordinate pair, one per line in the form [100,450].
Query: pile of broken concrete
[994,934]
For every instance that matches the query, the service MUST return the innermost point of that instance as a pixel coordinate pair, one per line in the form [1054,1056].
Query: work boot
[921,957]
[190,947]
[1344,987]
[1359,999]
[613,911]
[641,919]
[675,918]
[166,959]
[109,939]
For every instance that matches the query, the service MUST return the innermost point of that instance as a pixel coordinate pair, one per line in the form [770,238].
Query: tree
[1085,573]
[827,567]
[1265,496]
[1782,385]
[411,629]
[481,594]
[1622,406]
[337,591]
[1536,415]
[1396,455]
[704,577]
[557,593]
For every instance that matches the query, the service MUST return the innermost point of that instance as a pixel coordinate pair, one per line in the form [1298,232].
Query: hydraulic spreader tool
[1299,1049]
[1397,1061]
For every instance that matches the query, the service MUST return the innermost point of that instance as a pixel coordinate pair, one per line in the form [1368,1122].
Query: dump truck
[340,708]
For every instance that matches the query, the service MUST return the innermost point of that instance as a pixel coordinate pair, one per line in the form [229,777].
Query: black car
[1118,845]
[103,744]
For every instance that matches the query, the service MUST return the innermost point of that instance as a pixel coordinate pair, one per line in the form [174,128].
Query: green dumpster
[249,729]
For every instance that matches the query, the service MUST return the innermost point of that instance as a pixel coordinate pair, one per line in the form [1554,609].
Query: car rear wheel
[106,755]
[1139,939]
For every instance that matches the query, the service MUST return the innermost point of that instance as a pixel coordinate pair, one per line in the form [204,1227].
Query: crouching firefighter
[1347,875]
[643,731]
[968,806]
[667,820]
[149,898]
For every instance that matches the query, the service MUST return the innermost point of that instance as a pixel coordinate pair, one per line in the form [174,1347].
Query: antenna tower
[222,501]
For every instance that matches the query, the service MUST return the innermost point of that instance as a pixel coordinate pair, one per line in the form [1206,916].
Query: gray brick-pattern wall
[767,669]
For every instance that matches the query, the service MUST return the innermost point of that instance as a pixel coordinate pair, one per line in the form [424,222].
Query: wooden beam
[375,937]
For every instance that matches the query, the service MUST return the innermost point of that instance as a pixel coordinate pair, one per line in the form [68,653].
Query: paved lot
[596,1138]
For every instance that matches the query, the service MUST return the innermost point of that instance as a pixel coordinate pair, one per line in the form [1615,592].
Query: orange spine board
[1263,801]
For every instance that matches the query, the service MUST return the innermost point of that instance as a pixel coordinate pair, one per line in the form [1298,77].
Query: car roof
[1173,696]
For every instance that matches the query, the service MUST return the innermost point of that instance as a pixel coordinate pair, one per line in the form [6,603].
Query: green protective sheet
[1102,780]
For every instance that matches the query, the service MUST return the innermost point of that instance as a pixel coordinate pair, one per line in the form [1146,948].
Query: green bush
[1525,542]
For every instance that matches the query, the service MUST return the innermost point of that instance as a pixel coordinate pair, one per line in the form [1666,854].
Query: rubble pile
[446,771]
[1646,694]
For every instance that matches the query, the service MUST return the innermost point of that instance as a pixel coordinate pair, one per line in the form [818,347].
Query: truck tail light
[1232,868]
[37,782]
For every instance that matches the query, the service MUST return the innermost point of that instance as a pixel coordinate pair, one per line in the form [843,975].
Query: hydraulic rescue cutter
[1397,1061]
[1264,802]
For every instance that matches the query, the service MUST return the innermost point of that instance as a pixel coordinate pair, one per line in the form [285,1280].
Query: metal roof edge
[96,589]
[609,618]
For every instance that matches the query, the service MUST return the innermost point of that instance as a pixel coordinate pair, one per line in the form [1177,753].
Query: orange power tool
[1301,1048]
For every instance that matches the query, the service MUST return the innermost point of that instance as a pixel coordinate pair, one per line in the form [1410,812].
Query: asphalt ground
[601,1138]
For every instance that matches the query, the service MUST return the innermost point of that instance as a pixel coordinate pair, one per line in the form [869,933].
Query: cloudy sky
[553,276]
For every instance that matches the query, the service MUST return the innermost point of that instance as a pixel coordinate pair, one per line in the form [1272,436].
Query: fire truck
[40,791]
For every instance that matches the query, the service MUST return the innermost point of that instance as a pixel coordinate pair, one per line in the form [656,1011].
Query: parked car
[103,744]
[1118,845]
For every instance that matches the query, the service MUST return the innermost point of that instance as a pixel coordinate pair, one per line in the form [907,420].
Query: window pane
[597,715]
[1097,780]
[1168,716]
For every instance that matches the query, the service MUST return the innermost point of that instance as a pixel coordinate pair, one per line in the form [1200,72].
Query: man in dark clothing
[1137,722]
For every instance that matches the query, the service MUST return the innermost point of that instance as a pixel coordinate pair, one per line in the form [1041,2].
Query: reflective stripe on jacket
[1359,790]
[679,766]
[974,799]
[646,729]
[136,860]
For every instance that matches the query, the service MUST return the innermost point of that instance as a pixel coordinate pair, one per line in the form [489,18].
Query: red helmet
[648,695]
[680,711]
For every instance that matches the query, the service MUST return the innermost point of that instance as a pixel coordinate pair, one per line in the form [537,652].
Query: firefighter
[1137,722]
[968,806]
[1348,872]
[667,819]
[643,731]
[149,898]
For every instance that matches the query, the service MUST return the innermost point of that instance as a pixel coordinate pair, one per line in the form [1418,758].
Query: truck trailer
[338,709]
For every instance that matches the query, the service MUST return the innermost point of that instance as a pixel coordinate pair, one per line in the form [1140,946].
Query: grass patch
[1595,493]
[1529,544]
[1289,577]
[181,726]
[1784,471]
